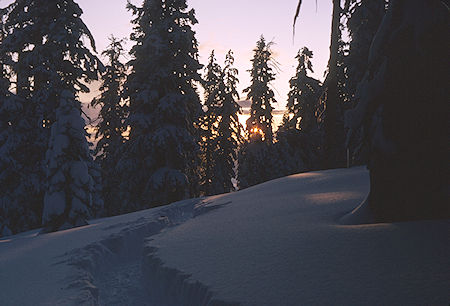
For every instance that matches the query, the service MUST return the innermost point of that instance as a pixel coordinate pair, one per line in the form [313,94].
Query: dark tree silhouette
[403,105]
[160,164]
[331,116]
[208,123]
[260,93]
[221,130]
[362,21]
[51,64]
[299,129]
[111,127]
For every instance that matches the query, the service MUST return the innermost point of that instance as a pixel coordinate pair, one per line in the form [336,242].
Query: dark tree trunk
[332,117]
[404,99]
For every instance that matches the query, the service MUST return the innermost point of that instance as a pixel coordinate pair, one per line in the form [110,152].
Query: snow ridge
[125,252]
[168,286]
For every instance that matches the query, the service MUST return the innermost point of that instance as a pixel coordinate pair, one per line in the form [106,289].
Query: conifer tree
[303,96]
[51,66]
[299,130]
[212,85]
[68,199]
[331,116]
[228,135]
[257,149]
[111,127]
[161,160]
[256,155]
[22,148]
[259,92]
[221,130]
[68,152]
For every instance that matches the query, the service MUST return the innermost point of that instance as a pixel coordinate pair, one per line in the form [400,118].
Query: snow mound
[284,242]
[290,241]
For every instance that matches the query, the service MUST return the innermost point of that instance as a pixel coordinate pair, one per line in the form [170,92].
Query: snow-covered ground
[279,243]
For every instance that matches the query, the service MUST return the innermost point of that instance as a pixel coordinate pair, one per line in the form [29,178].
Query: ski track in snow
[98,264]
[123,285]
[113,271]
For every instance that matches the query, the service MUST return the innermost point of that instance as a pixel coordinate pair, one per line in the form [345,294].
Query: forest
[383,103]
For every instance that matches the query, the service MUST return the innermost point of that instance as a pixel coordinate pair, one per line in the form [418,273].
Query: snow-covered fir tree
[299,130]
[229,130]
[68,156]
[36,34]
[51,65]
[111,127]
[303,96]
[221,130]
[161,161]
[212,85]
[68,198]
[259,91]
[255,158]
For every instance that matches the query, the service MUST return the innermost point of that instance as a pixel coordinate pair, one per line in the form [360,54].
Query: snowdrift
[283,242]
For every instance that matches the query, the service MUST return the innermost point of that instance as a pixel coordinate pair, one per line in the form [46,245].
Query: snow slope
[278,243]
[71,267]
[281,243]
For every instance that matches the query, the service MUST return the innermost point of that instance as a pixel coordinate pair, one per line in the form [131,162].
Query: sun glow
[256,130]
[256,133]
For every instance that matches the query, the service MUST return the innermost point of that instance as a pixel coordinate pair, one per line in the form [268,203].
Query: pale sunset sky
[232,24]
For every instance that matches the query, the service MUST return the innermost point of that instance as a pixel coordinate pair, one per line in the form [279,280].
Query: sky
[235,25]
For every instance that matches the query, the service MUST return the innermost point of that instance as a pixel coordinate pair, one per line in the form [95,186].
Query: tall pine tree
[228,137]
[299,129]
[51,65]
[161,161]
[23,147]
[303,96]
[259,92]
[212,85]
[68,200]
[111,126]
[256,155]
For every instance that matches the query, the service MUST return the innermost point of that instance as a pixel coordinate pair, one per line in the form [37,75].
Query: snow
[68,267]
[289,241]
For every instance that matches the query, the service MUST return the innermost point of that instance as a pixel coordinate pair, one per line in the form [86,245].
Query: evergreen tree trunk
[403,104]
[332,121]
